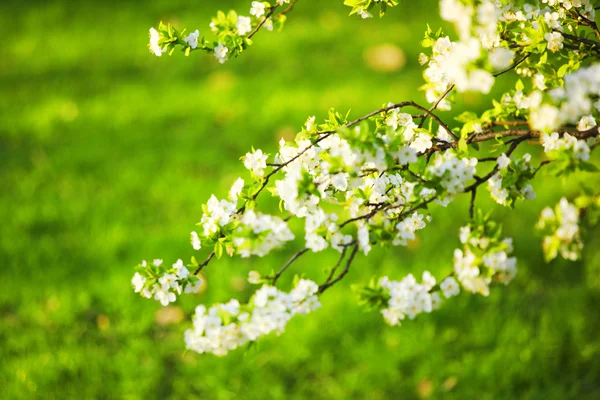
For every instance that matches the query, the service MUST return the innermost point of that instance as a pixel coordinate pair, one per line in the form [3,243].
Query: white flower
[364,14]
[450,287]
[254,277]
[164,296]
[555,41]
[257,9]
[244,25]
[310,122]
[581,150]
[138,282]
[154,46]
[444,135]
[181,271]
[340,181]
[363,239]
[539,81]
[193,287]
[421,143]
[586,123]
[256,162]
[407,155]
[503,161]
[500,57]
[236,189]
[268,25]
[195,240]
[221,53]
[528,192]
[550,141]
[428,280]
[481,81]
[316,242]
[465,233]
[545,119]
[168,281]
[192,39]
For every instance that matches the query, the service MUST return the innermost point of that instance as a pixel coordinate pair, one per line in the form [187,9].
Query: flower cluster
[510,182]
[484,257]
[407,298]
[466,63]
[232,32]
[164,283]
[225,327]
[561,228]
[258,234]
[568,146]
[576,100]
[453,173]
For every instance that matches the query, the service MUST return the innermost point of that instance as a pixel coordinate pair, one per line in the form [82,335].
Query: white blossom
[195,240]
[221,53]
[244,25]
[257,9]
[154,43]
[192,39]
[256,162]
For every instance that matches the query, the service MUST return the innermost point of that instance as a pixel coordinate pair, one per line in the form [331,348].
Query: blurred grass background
[107,153]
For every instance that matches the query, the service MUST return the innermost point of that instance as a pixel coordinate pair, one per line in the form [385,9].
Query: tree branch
[262,22]
[204,264]
[287,264]
[327,285]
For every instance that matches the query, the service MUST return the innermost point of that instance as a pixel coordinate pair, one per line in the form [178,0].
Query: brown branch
[588,22]
[262,22]
[327,285]
[497,74]
[204,264]
[594,45]
[288,9]
[287,264]
[337,264]
[509,123]
[472,205]
[435,118]
[436,104]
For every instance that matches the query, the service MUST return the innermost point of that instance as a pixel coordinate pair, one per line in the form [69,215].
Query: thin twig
[288,9]
[472,205]
[262,22]
[327,285]
[204,264]
[435,105]
[337,264]
[497,74]
[287,264]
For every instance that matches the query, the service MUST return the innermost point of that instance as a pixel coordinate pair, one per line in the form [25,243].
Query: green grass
[106,155]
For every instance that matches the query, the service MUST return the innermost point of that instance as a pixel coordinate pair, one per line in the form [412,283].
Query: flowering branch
[371,180]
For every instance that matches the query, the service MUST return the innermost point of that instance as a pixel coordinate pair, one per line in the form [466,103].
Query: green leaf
[462,145]
[589,167]
[219,249]
[519,85]
[466,116]
[550,248]
[562,71]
